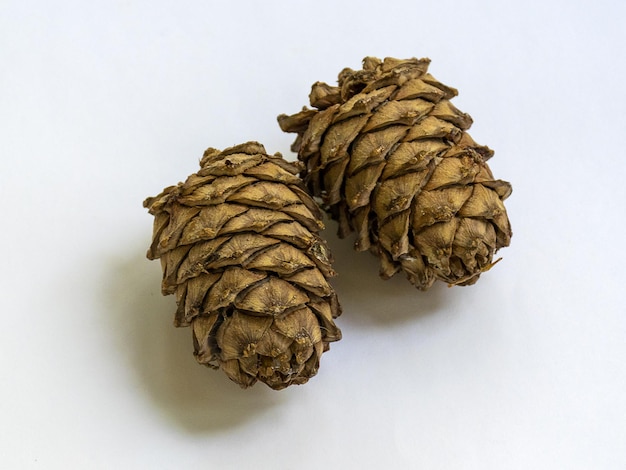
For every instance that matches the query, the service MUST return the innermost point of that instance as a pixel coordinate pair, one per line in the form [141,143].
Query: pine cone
[390,158]
[239,246]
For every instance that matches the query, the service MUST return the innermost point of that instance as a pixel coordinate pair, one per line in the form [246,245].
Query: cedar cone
[390,158]
[239,246]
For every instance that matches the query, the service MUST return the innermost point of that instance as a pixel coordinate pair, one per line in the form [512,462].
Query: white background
[103,103]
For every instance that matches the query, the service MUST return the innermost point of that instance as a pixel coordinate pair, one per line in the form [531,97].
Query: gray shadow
[161,357]
[369,300]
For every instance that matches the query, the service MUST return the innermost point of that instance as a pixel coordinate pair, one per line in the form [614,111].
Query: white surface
[105,103]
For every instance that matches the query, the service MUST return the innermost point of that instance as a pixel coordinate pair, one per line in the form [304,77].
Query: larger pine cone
[389,157]
[239,247]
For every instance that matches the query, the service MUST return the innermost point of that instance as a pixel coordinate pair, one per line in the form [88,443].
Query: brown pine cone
[239,246]
[390,158]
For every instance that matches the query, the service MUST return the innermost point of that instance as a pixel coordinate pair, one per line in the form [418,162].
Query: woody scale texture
[239,246]
[389,157]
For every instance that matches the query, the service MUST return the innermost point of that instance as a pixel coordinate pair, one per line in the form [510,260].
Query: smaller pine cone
[239,246]
[390,158]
